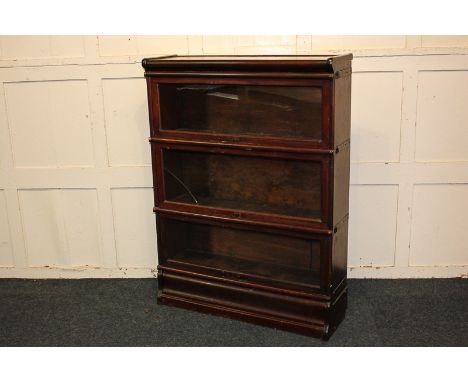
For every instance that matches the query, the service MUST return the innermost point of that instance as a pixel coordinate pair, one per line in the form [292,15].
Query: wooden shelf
[289,275]
[247,206]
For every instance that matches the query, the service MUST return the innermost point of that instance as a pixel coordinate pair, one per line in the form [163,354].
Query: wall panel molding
[85,211]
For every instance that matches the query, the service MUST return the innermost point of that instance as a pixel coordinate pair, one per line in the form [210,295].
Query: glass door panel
[260,184]
[251,110]
[273,256]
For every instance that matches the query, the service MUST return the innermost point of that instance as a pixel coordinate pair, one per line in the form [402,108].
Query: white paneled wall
[6,250]
[126,121]
[439,211]
[49,123]
[376,116]
[134,227]
[373,206]
[27,47]
[61,227]
[442,115]
[75,179]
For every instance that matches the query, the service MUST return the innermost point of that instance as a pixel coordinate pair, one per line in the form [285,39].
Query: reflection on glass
[278,186]
[276,111]
[242,251]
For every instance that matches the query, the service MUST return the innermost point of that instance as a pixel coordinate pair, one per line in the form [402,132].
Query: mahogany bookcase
[250,159]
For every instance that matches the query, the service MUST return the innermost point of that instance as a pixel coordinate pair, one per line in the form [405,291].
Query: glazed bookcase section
[238,252]
[254,186]
[271,113]
[242,111]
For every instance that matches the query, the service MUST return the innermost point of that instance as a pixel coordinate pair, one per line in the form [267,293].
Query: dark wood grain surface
[251,175]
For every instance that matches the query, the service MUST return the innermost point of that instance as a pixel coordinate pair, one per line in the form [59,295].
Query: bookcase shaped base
[303,314]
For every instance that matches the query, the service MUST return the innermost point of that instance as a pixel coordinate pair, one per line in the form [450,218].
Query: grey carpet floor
[123,312]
